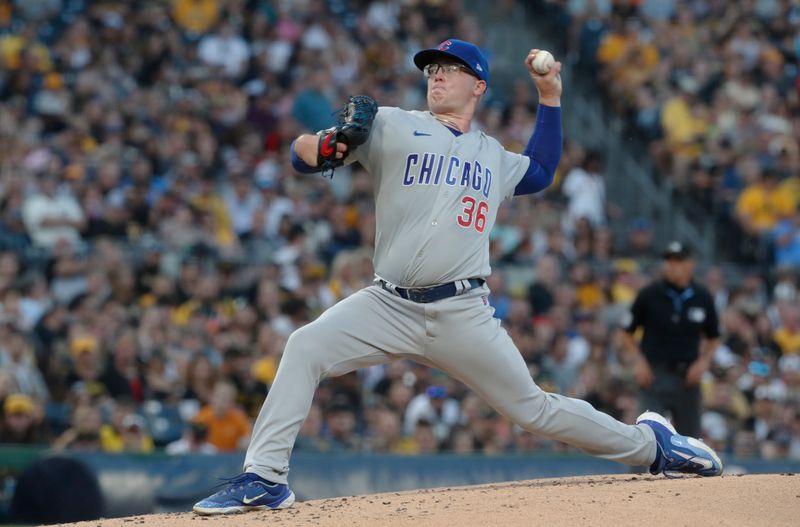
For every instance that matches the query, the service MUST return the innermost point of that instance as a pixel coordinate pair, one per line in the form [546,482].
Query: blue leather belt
[426,295]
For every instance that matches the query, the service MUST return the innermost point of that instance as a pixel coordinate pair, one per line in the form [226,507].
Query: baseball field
[736,500]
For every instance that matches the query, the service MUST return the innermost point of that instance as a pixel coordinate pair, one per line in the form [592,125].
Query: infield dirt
[605,501]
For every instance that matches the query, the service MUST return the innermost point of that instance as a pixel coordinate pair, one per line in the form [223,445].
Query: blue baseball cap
[436,392]
[466,53]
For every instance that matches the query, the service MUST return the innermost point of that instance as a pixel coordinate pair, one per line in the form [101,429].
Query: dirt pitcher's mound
[612,501]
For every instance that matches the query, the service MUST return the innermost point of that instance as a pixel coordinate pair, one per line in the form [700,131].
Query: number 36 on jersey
[473,215]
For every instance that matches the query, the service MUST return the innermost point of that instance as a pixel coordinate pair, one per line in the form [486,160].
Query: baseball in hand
[542,62]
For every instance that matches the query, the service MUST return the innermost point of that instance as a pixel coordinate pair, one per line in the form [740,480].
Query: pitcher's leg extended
[471,345]
[499,375]
[365,329]
[482,355]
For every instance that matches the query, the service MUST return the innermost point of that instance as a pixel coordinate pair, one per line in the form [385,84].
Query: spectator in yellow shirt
[23,49]
[213,209]
[616,42]
[628,60]
[762,204]
[132,437]
[127,431]
[196,17]
[623,47]
[787,336]
[685,122]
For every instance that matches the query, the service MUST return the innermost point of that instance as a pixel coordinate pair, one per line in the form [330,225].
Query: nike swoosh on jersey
[418,133]
[694,459]
[248,501]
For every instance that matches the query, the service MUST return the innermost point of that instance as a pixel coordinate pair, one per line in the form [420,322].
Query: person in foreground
[438,184]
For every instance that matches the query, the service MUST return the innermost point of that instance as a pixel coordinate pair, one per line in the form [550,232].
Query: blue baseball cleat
[677,453]
[246,492]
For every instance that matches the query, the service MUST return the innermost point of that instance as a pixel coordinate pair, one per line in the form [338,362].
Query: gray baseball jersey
[436,197]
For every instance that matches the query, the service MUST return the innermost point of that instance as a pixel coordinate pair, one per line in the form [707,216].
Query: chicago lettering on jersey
[435,169]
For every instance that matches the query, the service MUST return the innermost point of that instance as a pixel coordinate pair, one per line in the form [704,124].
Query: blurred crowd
[157,249]
[712,89]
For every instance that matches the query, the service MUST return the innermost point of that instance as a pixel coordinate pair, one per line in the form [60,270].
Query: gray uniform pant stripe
[457,335]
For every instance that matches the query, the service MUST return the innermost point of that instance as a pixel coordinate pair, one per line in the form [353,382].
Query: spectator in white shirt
[434,406]
[242,202]
[52,217]
[225,50]
[193,441]
[17,358]
[586,190]
[273,208]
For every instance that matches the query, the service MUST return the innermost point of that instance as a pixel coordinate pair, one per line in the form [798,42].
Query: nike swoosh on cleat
[418,133]
[248,501]
[695,459]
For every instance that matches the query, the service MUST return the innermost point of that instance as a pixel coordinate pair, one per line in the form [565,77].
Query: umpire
[680,334]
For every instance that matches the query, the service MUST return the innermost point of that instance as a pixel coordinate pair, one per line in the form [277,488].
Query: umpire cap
[677,250]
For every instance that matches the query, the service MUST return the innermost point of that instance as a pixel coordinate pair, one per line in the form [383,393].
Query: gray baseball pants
[457,335]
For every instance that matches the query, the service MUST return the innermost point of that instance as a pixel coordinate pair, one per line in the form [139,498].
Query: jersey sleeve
[543,150]
[513,169]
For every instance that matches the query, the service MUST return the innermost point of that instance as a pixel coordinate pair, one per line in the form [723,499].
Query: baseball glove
[353,125]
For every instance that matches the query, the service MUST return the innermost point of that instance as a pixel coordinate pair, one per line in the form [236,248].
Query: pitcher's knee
[305,346]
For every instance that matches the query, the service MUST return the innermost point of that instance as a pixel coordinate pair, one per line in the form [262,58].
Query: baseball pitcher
[438,184]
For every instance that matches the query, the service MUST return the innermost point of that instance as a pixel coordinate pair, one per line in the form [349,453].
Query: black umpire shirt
[674,321]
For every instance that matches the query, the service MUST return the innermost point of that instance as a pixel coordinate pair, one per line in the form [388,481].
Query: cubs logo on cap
[461,51]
